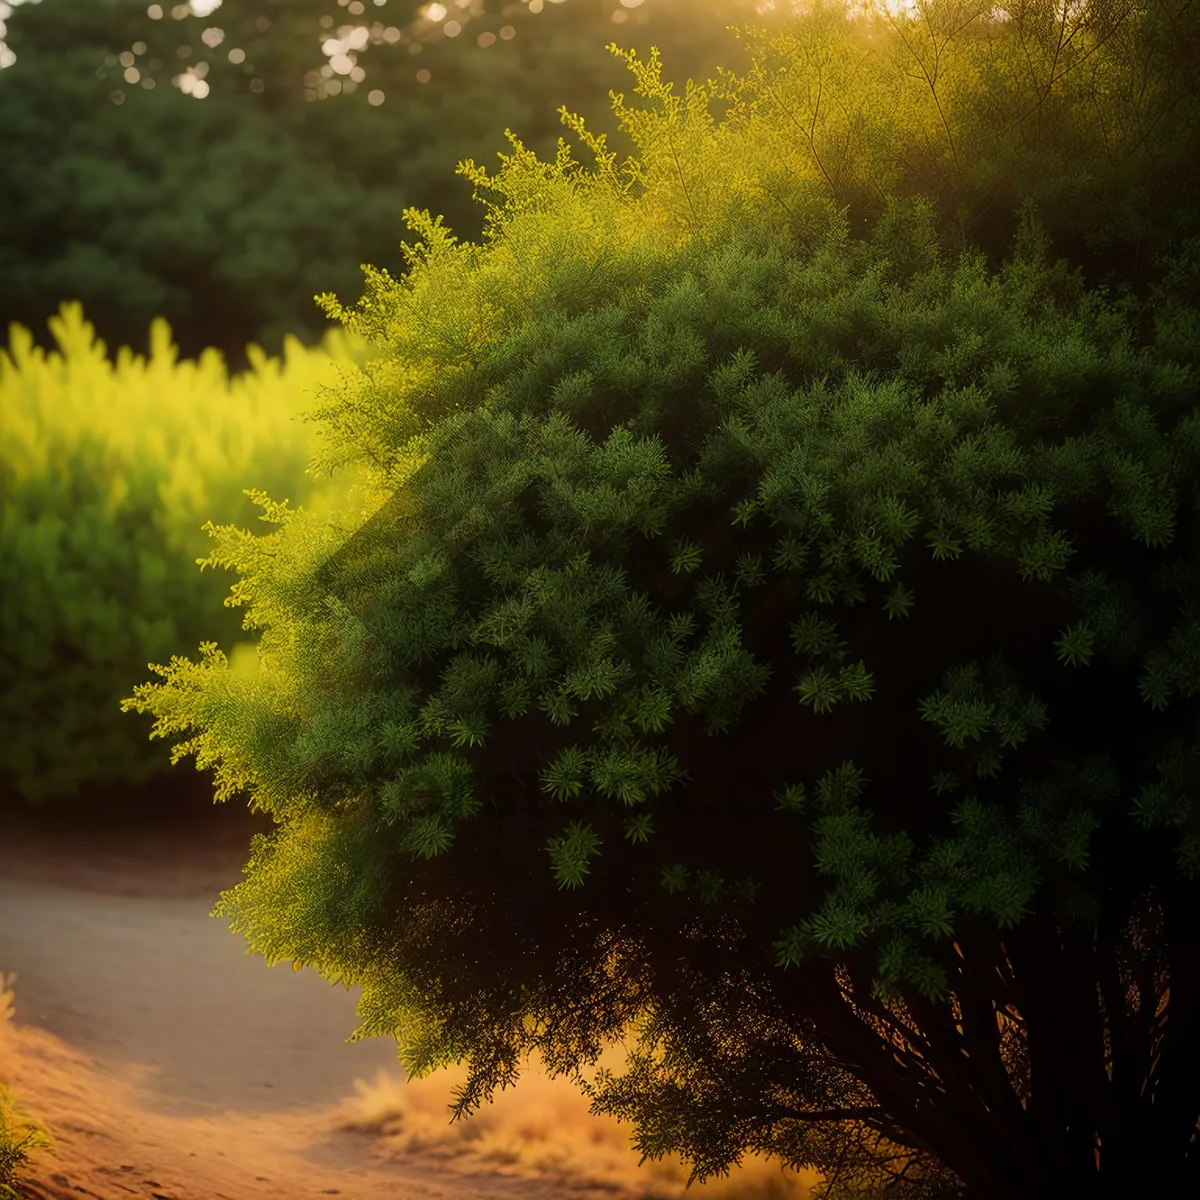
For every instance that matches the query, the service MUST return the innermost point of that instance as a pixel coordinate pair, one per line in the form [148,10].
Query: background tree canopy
[769,623]
[220,170]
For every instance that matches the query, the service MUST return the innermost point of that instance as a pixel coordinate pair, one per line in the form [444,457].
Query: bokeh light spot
[237,56]
[423,76]
[191,82]
[375,98]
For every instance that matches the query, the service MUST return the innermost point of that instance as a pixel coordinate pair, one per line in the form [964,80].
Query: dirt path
[170,1065]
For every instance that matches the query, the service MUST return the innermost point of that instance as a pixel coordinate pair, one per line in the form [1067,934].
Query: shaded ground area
[170,1065]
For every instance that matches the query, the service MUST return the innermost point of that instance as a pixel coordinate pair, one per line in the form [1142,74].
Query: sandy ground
[169,1064]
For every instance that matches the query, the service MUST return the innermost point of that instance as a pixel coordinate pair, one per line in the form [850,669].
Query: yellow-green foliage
[108,473]
[1078,106]
[19,1138]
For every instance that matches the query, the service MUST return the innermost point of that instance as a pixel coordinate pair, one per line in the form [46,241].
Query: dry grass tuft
[542,1127]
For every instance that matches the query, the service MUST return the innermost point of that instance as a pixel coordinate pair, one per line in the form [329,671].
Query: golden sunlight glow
[431,23]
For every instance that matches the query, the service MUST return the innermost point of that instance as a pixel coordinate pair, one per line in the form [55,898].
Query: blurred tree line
[219,164]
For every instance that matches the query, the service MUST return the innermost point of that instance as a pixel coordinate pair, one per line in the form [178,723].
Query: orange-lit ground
[168,1063]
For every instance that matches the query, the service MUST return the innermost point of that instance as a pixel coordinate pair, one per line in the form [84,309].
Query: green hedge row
[108,472]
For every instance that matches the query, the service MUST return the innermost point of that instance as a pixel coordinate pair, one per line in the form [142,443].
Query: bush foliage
[108,471]
[767,624]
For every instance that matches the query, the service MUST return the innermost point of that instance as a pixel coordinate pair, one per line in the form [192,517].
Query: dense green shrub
[108,471]
[772,637]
